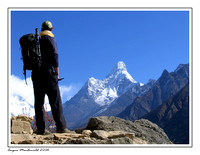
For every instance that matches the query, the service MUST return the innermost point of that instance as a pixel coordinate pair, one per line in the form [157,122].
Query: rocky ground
[100,130]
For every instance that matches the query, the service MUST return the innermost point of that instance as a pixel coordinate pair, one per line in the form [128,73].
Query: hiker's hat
[47,25]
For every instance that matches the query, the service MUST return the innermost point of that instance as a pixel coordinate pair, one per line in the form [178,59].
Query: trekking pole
[36,32]
[60,79]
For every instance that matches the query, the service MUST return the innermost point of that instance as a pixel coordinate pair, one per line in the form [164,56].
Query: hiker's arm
[55,56]
[57,71]
[55,52]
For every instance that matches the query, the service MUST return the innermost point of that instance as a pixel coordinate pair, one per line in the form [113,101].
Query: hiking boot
[63,131]
[42,132]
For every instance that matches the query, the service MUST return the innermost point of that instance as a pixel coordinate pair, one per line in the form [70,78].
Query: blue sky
[90,43]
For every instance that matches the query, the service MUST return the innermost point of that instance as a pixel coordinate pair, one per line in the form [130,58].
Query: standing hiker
[45,81]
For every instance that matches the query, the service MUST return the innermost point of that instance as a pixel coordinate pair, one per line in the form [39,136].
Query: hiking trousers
[46,82]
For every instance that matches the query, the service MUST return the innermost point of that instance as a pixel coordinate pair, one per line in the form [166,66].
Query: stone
[151,132]
[22,138]
[59,136]
[105,135]
[86,140]
[21,127]
[110,124]
[139,141]
[100,134]
[122,140]
[86,132]
[23,118]
[21,124]
[118,134]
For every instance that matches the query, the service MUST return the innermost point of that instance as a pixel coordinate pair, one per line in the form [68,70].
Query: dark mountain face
[165,87]
[173,116]
[78,108]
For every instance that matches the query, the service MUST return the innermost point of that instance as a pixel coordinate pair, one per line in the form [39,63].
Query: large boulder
[21,124]
[143,129]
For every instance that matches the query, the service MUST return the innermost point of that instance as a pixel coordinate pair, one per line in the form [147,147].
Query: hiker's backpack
[30,52]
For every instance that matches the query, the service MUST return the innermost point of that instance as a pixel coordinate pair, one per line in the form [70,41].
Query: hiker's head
[47,25]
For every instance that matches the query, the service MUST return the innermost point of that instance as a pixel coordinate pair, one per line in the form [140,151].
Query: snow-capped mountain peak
[115,84]
[120,72]
[120,66]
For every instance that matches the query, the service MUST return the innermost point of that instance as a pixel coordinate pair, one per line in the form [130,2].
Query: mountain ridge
[165,87]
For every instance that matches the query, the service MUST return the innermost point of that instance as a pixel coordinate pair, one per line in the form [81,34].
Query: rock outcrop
[143,129]
[100,130]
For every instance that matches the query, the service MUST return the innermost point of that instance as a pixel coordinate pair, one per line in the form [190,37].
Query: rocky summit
[100,130]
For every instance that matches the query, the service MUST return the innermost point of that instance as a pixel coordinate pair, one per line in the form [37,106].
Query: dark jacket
[48,48]
[46,77]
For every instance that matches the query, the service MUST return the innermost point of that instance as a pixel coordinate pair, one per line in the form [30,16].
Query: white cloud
[21,99]
[21,96]
[67,92]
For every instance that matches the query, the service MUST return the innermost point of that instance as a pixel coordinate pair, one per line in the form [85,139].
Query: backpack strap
[25,75]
